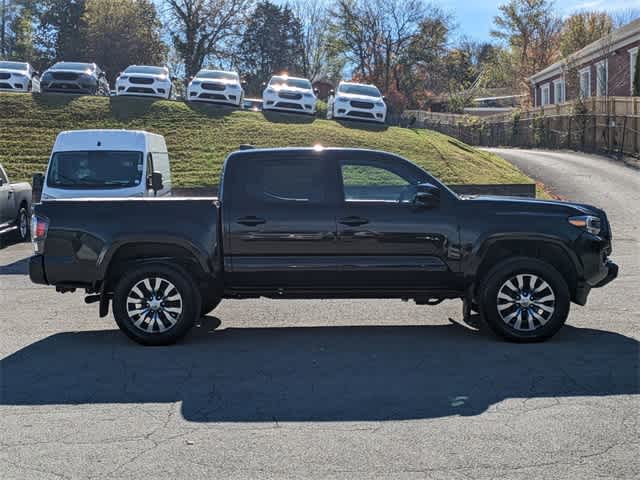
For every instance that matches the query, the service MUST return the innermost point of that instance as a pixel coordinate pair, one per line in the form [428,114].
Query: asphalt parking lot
[331,389]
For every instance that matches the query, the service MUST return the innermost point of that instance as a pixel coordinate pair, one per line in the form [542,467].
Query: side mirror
[154,182]
[426,196]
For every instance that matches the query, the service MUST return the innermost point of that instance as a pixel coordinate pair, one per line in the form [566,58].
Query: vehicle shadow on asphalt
[357,373]
[19,267]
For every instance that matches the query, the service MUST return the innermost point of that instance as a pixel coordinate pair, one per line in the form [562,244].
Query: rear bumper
[36,270]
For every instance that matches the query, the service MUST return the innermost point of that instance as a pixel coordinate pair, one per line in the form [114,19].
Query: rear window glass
[284,180]
[95,169]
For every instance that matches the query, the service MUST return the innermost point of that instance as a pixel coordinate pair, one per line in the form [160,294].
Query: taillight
[39,228]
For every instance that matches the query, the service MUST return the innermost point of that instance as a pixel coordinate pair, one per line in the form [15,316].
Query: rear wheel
[22,222]
[156,304]
[524,300]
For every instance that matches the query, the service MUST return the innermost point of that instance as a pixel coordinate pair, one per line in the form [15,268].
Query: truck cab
[107,163]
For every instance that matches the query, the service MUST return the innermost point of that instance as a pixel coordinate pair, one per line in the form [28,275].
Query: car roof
[109,139]
[357,83]
[291,77]
[317,150]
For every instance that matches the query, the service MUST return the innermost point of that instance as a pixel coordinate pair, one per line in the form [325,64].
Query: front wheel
[524,300]
[156,304]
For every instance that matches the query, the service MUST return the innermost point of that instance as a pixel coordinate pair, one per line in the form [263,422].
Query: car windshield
[291,82]
[95,169]
[72,66]
[14,65]
[218,75]
[368,90]
[145,69]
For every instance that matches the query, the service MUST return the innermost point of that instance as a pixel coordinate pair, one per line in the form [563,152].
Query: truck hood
[515,203]
[362,98]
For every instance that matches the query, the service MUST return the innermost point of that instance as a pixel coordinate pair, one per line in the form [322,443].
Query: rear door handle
[251,221]
[353,221]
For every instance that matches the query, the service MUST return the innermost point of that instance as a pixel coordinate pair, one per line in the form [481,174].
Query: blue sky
[475,18]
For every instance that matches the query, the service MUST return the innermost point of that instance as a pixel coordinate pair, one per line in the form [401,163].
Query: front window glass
[95,169]
[217,75]
[145,69]
[14,65]
[72,66]
[368,182]
[290,82]
[368,90]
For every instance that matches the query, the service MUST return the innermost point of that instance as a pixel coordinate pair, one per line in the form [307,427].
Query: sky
[475,17]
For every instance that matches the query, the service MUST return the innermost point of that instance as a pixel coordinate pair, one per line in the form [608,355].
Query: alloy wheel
[154,305]
[526,302]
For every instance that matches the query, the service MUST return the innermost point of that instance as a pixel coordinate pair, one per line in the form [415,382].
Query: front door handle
[251,221]
[353,221]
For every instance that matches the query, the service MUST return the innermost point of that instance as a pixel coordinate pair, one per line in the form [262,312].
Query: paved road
[330,389]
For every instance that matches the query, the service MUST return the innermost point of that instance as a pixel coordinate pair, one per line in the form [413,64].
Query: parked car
[324,223]
[253,104]
[75,77]
[18,77]
[15,205]
[107,163]
[145,80]
[216,86]
[291,94]
[357,100]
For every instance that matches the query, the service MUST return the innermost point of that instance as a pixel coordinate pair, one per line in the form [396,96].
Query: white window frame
[599,91]
[558,99]
[587,71]
[546,87]
[633,59]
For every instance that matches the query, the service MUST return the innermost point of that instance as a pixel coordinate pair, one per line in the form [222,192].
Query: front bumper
[69,87]
[14,84]
[157,89]
[612,274]
[303,105]
[226,96]
[346,110]
[36,270]
[595,269]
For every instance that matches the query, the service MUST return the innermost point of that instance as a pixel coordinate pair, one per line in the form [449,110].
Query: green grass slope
[200,136]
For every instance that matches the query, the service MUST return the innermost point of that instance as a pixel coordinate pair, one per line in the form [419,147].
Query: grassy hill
[200,136]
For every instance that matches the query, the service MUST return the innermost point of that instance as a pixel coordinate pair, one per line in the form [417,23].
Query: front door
[279,221]
[385,240]
[8,211]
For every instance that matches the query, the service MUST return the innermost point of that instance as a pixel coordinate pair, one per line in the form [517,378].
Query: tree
[271,43]
[583,28]
[205,29]
[119,33]
[531,29]
[58,35]
[22,32]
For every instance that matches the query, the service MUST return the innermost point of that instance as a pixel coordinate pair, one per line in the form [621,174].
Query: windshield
[95,169]
[14,65]
[72,66]
[368,90]
[145,69]
[291,82]
[217,75]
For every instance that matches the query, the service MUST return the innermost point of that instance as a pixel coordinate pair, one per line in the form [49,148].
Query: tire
[533,310]
[23,224]
[169,322]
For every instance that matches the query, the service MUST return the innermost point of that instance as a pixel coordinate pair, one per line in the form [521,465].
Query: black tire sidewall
[23,211]
[190,298]
[509,268]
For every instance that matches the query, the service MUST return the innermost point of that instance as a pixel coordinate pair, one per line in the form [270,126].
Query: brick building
[602,68]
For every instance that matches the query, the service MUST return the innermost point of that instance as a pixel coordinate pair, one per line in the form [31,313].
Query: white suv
[216,86]
[18,77]
[357,100]
[289,94]
[144,80]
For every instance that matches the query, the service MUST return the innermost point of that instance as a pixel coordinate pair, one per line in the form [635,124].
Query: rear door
[279,218]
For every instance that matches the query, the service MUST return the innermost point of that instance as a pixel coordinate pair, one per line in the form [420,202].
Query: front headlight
[124,77]
[380,104]
[195,83]
[308,95]
[342,99]
[589,223]
[270,90]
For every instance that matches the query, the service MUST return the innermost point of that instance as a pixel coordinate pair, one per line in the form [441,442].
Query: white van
[107,163]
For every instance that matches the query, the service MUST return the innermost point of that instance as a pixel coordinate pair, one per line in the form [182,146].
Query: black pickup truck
[324,223]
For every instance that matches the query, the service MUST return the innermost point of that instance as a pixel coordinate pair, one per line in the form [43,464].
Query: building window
[558,91]
[633,59]
[602,78]
[585,82]
[544,95]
